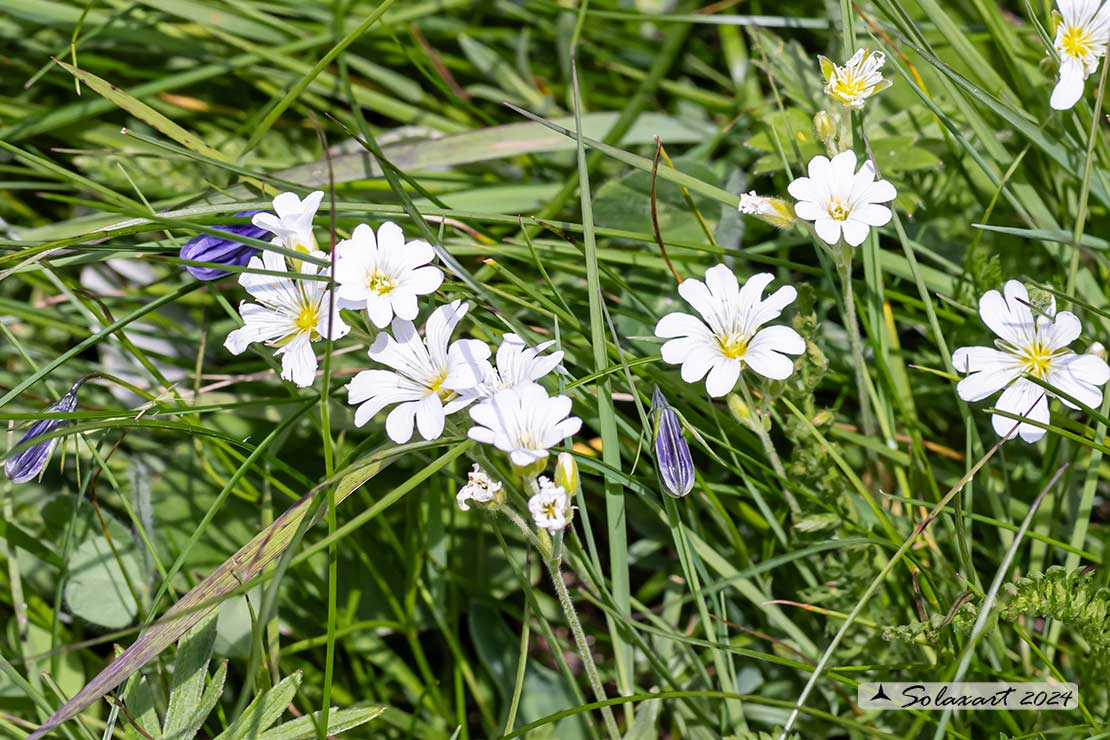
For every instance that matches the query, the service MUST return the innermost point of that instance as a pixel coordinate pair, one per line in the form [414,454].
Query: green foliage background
[724,604]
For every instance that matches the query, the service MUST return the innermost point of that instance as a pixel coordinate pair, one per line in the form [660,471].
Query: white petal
[1026,399]
[298,361]
[1079,376]
[430,417]
[1069,89]
[778,339]
[400,422]
[379,309]
[872,214]
[804,189]
[1009,317]
[423,280]
[768,363]
[991,371]
[697,362]
[1063,331]
[722,283]
[809,210]
[680,325]
[855,232]
[722,378]
[828,230]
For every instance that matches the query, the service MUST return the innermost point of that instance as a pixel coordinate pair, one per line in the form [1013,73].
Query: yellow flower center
[733,346]
[1076,42]
[380,283]
[1035,359]
[549,509]
[847,87]
[308,318]
[838,211]
[436,386]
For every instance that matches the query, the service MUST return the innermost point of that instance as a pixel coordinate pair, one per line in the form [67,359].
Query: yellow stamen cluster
[1035,359]
[380,283]
[1076,42]
[733,346]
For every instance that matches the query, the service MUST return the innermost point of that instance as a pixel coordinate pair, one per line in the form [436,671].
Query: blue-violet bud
[672,455]
[212,248]
[25,465]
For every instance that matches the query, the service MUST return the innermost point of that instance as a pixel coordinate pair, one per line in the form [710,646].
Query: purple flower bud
[212,248]
[672,455]
[25,465]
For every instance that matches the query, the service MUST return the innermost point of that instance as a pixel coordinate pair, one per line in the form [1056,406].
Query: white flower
[837,198]
[550,507]
[859,78]
[1081,38]
[292,226]
[730,336]
[290,314]
[479,488]
[418,381]
[384,275]
[1027,347]
[517,365]
[524,422]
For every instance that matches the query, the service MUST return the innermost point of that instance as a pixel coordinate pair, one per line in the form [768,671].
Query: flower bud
[674,465]
[1098,350]
[744,413]
[25,465]
[774,211]
[212,248]
[825,127]
[566,474]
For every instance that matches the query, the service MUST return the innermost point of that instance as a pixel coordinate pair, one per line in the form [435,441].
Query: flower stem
[583,647]
[768,445]
[851,323]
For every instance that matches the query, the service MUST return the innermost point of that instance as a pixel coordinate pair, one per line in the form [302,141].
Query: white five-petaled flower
[479,488]
[419,380]
[384,275]
[550,507]
[729,336]
[840,200]
[292,226]
[290,314]
[859,78]
[1026,347]
[524,422]
[517,365]
[1081,38]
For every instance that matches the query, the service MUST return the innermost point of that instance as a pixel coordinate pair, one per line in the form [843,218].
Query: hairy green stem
[583,647]
[768,445]
[851,323]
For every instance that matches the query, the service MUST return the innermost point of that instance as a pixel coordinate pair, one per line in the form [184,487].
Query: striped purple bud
[25,465]
[672,455]
[212,248]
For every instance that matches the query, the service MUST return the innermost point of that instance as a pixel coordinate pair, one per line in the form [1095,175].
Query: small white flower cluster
[429,377]
[841,201]
[550,503]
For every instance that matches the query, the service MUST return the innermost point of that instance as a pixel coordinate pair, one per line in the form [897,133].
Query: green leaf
[97,589]
[143,112]
[142,722]
[190,668]
[339,720]
[264,711]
